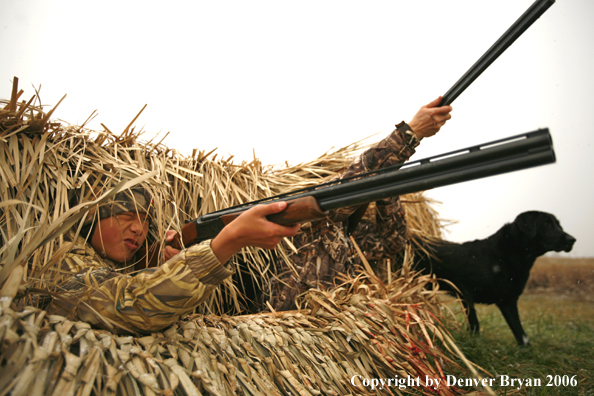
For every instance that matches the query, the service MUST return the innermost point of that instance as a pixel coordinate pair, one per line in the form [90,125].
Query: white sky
[293,79]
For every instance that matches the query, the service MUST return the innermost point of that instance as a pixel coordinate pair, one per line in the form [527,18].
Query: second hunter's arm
[394,149]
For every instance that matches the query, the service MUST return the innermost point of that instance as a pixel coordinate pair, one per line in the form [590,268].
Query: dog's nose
[569,241]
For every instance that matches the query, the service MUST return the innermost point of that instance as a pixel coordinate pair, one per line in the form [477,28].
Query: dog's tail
[425,245]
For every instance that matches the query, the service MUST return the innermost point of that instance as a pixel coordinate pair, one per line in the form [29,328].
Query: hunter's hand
[252,228]
[429,119]
[169,251]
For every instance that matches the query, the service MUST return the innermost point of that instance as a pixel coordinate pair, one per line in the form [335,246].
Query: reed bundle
[342,339]
[365,326]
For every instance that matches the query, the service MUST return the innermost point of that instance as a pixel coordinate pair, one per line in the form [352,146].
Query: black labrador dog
[495,270]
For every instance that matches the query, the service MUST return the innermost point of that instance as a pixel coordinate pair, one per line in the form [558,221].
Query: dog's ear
[526,223]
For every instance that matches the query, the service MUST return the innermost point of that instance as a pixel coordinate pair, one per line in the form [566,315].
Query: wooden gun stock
[298,210]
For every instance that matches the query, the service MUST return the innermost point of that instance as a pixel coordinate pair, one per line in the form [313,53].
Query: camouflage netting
[365,328]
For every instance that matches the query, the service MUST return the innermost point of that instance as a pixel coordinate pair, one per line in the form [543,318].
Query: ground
[557,311]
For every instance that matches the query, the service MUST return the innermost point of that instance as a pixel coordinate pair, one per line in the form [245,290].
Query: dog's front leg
[472,318]
[468,304]
[512,317]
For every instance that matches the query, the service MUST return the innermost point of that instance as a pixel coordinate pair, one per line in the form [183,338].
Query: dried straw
[366,326]
[359,331]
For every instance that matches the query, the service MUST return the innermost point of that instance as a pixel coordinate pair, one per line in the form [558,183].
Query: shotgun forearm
[489,159]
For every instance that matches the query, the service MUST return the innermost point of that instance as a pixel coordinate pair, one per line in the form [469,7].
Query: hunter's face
[119,237]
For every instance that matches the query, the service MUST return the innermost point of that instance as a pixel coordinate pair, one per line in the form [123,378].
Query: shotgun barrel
[493,158]
[516,30]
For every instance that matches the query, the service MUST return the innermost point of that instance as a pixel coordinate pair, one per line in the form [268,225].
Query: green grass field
[559,319]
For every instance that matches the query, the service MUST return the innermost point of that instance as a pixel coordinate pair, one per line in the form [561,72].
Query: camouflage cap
[135,199]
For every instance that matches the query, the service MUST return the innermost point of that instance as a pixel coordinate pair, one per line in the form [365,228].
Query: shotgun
[516,30]
[493,158]
[501,156]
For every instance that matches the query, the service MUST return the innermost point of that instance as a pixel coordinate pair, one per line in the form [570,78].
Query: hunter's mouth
[132,244]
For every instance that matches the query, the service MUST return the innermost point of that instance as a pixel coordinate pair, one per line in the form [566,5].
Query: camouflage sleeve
[383,233]
[323,248]
[144,302]
[395,149]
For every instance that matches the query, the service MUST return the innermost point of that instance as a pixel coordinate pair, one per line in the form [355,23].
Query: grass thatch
[365,327]
[360,331]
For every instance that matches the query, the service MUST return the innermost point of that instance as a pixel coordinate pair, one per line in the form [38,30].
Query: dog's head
[544,230]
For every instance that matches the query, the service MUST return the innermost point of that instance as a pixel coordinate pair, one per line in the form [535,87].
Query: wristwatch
[409,136]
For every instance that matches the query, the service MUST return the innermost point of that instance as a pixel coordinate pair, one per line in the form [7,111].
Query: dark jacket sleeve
[394,149]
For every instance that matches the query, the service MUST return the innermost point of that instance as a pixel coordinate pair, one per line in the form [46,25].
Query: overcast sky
[292,79]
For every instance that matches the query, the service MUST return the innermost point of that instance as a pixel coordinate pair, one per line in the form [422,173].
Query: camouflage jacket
[323,248]
[100,292]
